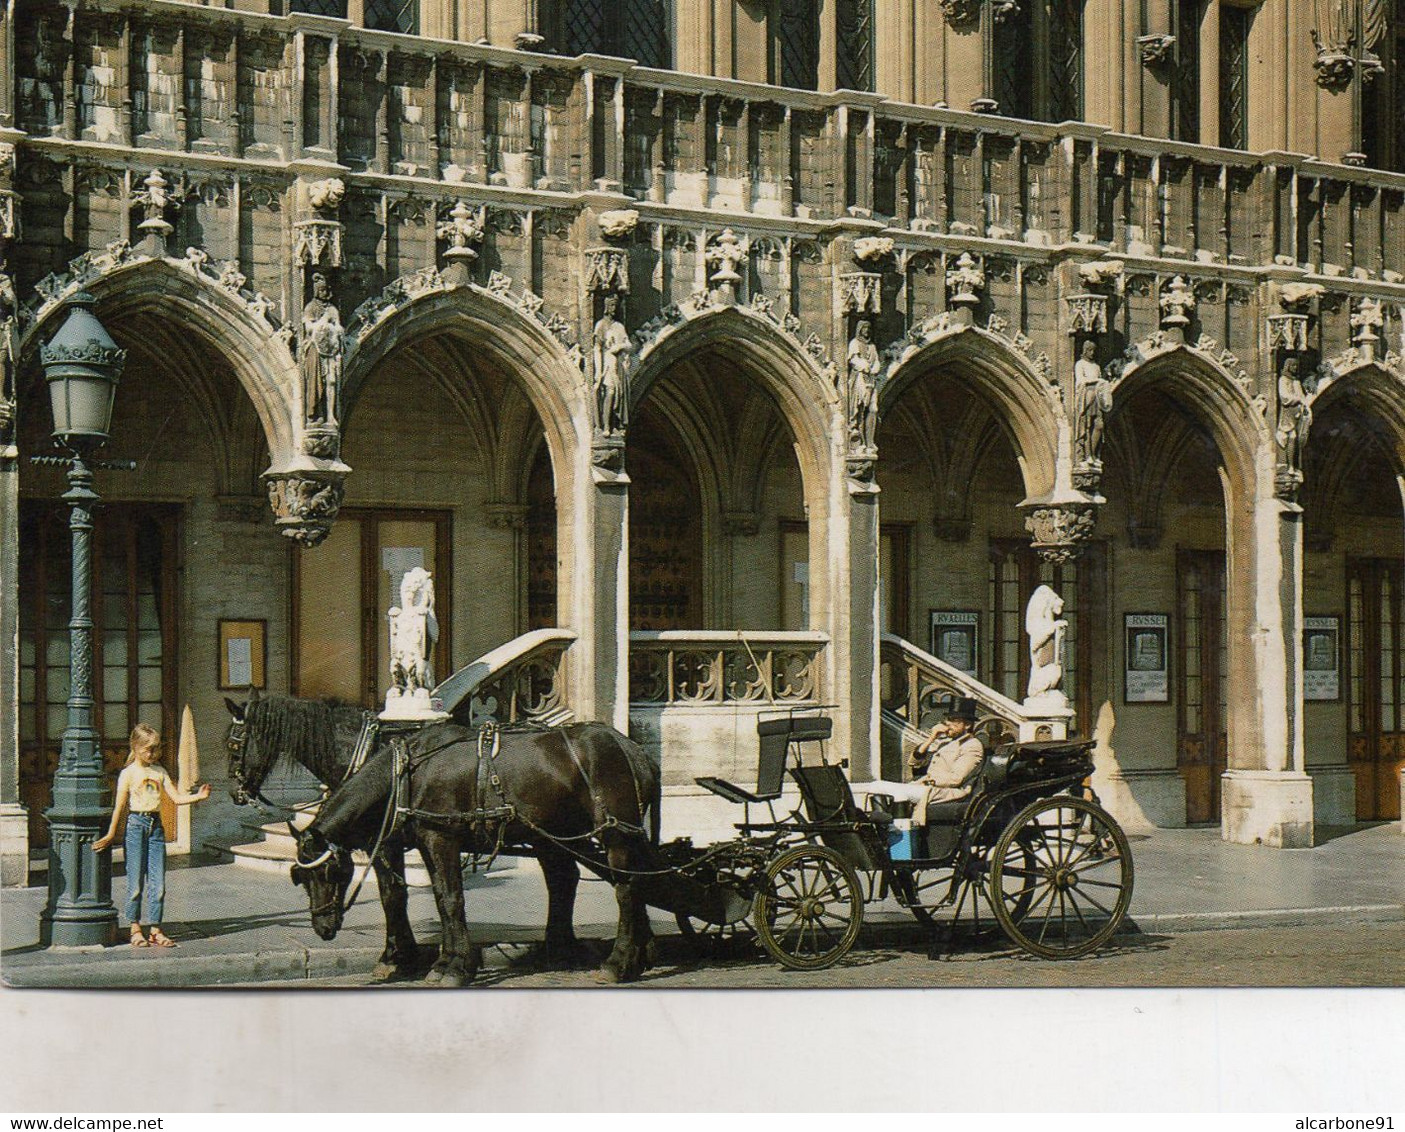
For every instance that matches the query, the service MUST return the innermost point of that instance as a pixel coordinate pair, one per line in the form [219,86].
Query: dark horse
[553,791]
[321,736]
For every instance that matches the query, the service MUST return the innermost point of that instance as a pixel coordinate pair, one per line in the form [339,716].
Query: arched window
[1185,74]
[630,29]
[1234,76]
[334,8]
[797,40]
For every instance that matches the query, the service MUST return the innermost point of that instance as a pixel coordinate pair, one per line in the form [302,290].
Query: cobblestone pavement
[1346,955]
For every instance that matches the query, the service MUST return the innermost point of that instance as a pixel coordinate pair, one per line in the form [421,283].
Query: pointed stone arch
[798,375]
[1377,386]
[1209,383]
[1018,387]
[212,302]
[513,330]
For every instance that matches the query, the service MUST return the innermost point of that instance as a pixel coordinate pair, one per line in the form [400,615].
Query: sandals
[139,940]
[161,939]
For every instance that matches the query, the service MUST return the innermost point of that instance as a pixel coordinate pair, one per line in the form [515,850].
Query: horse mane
[303,729]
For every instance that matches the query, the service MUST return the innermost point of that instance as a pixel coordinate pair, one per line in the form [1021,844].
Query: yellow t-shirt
[145,785]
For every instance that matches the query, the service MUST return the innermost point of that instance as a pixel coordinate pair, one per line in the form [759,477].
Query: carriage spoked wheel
[809,914]
[716,937]
[1061,877]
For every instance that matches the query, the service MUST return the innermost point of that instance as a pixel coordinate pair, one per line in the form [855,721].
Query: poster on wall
[1146,649]
[1321,658]
[955,638]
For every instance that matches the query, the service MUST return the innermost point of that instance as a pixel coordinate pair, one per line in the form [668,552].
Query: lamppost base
[75,929]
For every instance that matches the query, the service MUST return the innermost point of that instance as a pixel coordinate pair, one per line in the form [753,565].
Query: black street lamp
[81,364]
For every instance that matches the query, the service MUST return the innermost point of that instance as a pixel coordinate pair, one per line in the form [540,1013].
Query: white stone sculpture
[1047,629]
[863,368]
[611,357]
[413,633]
[320,351]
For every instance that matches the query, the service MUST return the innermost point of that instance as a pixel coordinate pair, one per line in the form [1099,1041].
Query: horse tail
[642,767]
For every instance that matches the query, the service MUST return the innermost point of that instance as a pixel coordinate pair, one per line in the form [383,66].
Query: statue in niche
[413,633]
[320,355]
[863,386]
[1046,628]
[1294,415]
[1094,398]
[611,356]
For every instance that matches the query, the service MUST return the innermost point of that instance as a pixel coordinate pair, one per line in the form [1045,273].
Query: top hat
[966,708]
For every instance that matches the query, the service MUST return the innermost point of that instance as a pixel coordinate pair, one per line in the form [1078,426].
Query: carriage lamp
[81,365]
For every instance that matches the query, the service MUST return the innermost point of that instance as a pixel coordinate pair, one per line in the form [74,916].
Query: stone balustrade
[707,668]
[523,680]
[915,688]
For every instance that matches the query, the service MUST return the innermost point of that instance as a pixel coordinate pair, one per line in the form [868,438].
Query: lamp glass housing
[82,403]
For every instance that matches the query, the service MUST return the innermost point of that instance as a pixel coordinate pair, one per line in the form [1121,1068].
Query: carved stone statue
[413,633]
[9,309]
[320,349]
[611,356]
[862,392]
[1094,397]
[1294,415]
[1047,629]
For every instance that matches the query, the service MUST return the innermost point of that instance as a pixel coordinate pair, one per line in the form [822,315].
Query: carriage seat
[829,801]
[774,737]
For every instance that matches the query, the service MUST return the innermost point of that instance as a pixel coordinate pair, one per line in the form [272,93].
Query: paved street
[1346,955]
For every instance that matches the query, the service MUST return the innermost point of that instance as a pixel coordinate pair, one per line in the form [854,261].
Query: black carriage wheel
[810,912]
[925,892]
[716,936]
[1061,877]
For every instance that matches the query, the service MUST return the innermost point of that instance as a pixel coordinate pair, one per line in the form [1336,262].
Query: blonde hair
[144,737]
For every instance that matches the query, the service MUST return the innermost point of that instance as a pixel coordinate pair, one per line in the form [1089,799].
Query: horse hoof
[607,976]
[434,978]
[384,972]
[453,979]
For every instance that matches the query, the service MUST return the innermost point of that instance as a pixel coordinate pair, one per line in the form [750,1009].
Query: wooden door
[1201,743]
[135,635]
[1376,733]
[343,590]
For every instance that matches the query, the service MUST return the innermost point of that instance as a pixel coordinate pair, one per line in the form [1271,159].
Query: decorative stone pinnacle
[1366,321]
[1177,301]
[964,280]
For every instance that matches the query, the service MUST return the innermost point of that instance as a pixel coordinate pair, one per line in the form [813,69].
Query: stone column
[595,549]
[1267,794]
[14,821]
[852,621]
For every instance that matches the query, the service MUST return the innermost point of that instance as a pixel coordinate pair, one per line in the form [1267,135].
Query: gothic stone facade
[658,358]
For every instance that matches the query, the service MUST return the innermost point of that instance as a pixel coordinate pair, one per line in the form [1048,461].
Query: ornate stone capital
[1087,314]
[619,223]
[1060,530]
[317,235]
[607,270]
[861,292]
[1287,332]
[1334,64]
[305,503]
[872,250]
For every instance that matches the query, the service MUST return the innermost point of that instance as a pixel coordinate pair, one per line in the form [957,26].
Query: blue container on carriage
[903,840]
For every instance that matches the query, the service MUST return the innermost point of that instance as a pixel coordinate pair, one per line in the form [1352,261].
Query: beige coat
[952,772]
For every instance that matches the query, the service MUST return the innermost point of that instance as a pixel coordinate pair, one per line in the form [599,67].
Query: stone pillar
[1267,794]
[853,622]
[14,821]
[599,677]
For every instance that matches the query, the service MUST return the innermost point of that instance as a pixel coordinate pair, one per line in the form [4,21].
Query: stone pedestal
[1266,807]
[14,845]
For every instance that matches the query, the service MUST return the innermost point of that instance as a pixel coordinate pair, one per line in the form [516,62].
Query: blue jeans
[146,861]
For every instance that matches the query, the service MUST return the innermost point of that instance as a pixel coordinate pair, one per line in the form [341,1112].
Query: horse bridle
[333,904]
[234,743]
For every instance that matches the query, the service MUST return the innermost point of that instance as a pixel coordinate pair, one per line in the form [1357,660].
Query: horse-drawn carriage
[1030,841]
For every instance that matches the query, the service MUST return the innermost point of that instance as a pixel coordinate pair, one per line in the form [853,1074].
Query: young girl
[139,788]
